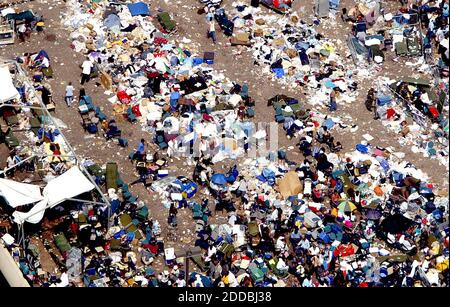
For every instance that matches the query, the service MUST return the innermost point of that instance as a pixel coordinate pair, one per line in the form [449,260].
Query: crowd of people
[362,218]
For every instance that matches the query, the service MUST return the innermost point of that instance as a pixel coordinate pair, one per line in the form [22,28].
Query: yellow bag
[334,212]
[225,280]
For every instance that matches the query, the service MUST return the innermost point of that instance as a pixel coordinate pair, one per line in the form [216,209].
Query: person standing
[212,31]
[69,94]
[10,164]
[87,68]
[140,151]
[173,211]
[333,105]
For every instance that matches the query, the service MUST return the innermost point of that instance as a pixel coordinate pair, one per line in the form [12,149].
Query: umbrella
[219,179]
[346,206]
[373,214]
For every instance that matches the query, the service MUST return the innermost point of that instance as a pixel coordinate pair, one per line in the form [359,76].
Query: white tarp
[33,216]
[68,185]
[19,194]
[7,89]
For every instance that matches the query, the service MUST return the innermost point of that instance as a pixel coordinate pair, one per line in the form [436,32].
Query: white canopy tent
[19,194]
[7,89]
[68,185]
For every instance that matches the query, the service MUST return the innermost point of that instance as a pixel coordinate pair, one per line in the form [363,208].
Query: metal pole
[22,106]
[86,201]
[186,267]
[15,165]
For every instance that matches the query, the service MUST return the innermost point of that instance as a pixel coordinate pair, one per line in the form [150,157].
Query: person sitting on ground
[112,129]
[56,151]
[346,17]
[404,128]
[336,147]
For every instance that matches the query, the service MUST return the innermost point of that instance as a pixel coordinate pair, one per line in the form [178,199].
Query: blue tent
[139,8]
[219,179]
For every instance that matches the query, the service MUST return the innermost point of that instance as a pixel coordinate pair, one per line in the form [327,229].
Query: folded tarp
[19,194]
[139,8]
[7,89]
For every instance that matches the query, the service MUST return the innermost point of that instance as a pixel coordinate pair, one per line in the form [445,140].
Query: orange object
[378,191]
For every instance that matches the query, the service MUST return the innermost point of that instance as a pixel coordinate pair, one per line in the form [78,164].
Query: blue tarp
[329,84]
[232,175]
[42,54]
[362,148]
[383,99]
[219,179]
[279,72]
[334,4]
[139,8]
[329,123]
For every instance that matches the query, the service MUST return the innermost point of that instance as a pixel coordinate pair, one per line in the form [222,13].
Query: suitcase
[208,57]
[254,3]
[401,49]
[257,275]
[226,249]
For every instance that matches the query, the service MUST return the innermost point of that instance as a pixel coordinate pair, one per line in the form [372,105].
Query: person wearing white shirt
[212,31]
[87,68]
[180,282]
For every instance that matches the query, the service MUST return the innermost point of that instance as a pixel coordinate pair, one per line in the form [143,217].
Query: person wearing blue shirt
[140,151]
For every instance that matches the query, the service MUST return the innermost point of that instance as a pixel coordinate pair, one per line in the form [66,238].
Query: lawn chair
[143,213]
[413,45]
[11,140]
[112,174]
[401,48]
[166,22]
[131,116]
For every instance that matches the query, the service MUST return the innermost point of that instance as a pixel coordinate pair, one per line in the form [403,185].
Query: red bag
[434,112]
[160,41]
[124,97]
[390,113]
[136,110]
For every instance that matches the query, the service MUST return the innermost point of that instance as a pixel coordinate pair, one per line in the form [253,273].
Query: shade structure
[19,194]
[7,89]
